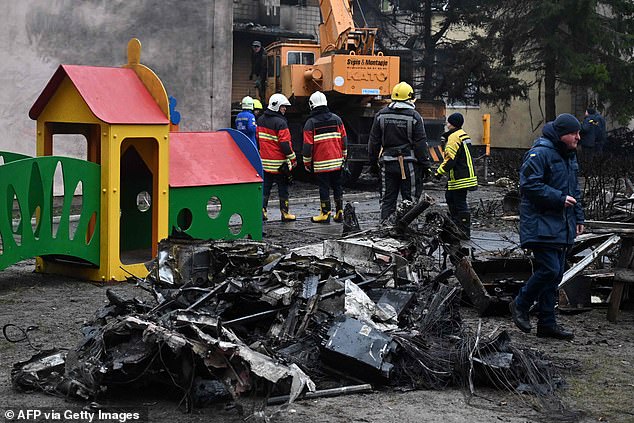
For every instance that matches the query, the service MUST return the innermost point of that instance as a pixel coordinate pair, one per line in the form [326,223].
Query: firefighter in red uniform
[278,158]
[325,150]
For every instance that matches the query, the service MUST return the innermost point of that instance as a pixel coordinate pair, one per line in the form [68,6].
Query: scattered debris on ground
[249,323]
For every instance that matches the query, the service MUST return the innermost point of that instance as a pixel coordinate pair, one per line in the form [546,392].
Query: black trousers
[392,183]
[457,202]
[267,185]
[548,271]
[327,181]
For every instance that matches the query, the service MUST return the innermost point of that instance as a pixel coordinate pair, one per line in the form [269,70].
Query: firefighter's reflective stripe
[327,136]
[272,146]
[272,165]
[458,162]
[264,136]
[324,142]
[409,157]
[334,164]
[462,183]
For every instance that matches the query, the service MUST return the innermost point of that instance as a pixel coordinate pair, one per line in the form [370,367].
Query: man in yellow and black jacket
[458,165]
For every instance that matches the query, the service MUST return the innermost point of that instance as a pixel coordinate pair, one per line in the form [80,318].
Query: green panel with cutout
[189,211]
[29,230]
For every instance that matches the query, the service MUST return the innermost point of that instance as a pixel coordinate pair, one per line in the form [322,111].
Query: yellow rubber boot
[324,213]
[339,210]
[265,202]
[286,216]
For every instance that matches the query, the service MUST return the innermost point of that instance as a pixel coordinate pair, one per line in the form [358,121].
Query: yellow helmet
[257,104]
[402,92]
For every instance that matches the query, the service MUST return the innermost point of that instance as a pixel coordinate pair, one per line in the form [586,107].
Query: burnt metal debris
[228,321]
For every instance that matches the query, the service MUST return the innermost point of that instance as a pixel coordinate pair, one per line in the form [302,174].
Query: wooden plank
[585,241]
[624,275]
[615,300]
[608,225]
[612,231]
[587,260]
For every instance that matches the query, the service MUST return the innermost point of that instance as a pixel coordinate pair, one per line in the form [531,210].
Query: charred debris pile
[245,319]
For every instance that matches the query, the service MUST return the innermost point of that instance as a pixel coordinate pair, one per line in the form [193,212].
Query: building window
[300,58]
[386,5]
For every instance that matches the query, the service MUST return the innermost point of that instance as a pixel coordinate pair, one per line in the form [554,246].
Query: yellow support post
[486,132]
[486,140]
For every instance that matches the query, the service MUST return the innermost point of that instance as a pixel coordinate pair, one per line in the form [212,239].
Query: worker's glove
[345,170]
[307,168]
[374,168]
[292,163]
[438,176]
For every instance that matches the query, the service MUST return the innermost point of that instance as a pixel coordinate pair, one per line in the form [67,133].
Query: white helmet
[247,103]
[317,99]
[276,101]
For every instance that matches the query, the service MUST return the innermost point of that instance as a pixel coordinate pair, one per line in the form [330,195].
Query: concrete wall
[220,63]
[303,19]
[188,43]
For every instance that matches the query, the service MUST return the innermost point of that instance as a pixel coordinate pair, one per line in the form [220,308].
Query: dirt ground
[600,384]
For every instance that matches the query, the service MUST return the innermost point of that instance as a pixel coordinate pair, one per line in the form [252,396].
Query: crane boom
[337,17]
[338,32]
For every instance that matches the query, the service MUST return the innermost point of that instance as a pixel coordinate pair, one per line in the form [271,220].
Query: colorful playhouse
[139,181]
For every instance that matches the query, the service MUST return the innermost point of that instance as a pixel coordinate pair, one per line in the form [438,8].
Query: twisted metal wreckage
[235,318]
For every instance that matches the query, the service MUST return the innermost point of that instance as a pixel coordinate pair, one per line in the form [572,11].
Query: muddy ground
[600,374]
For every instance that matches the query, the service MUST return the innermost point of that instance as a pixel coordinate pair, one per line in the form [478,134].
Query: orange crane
[345,66]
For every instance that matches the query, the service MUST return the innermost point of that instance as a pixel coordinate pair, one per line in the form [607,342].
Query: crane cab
[297,68]
[287,64]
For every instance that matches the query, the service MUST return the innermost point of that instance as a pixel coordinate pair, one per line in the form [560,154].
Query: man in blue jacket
[593,133]
[551,217]
[245,121]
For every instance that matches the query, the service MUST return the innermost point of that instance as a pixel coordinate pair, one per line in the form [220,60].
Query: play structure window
[214,206]
[70,145]
[77,140]
[143,201]
[184,219]
[235,223]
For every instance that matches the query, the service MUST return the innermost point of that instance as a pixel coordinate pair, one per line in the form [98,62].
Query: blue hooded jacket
[547,175]
[245,123]
[593,133]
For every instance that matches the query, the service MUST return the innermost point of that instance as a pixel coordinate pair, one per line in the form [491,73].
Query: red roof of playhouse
[114,95]
[207,158]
